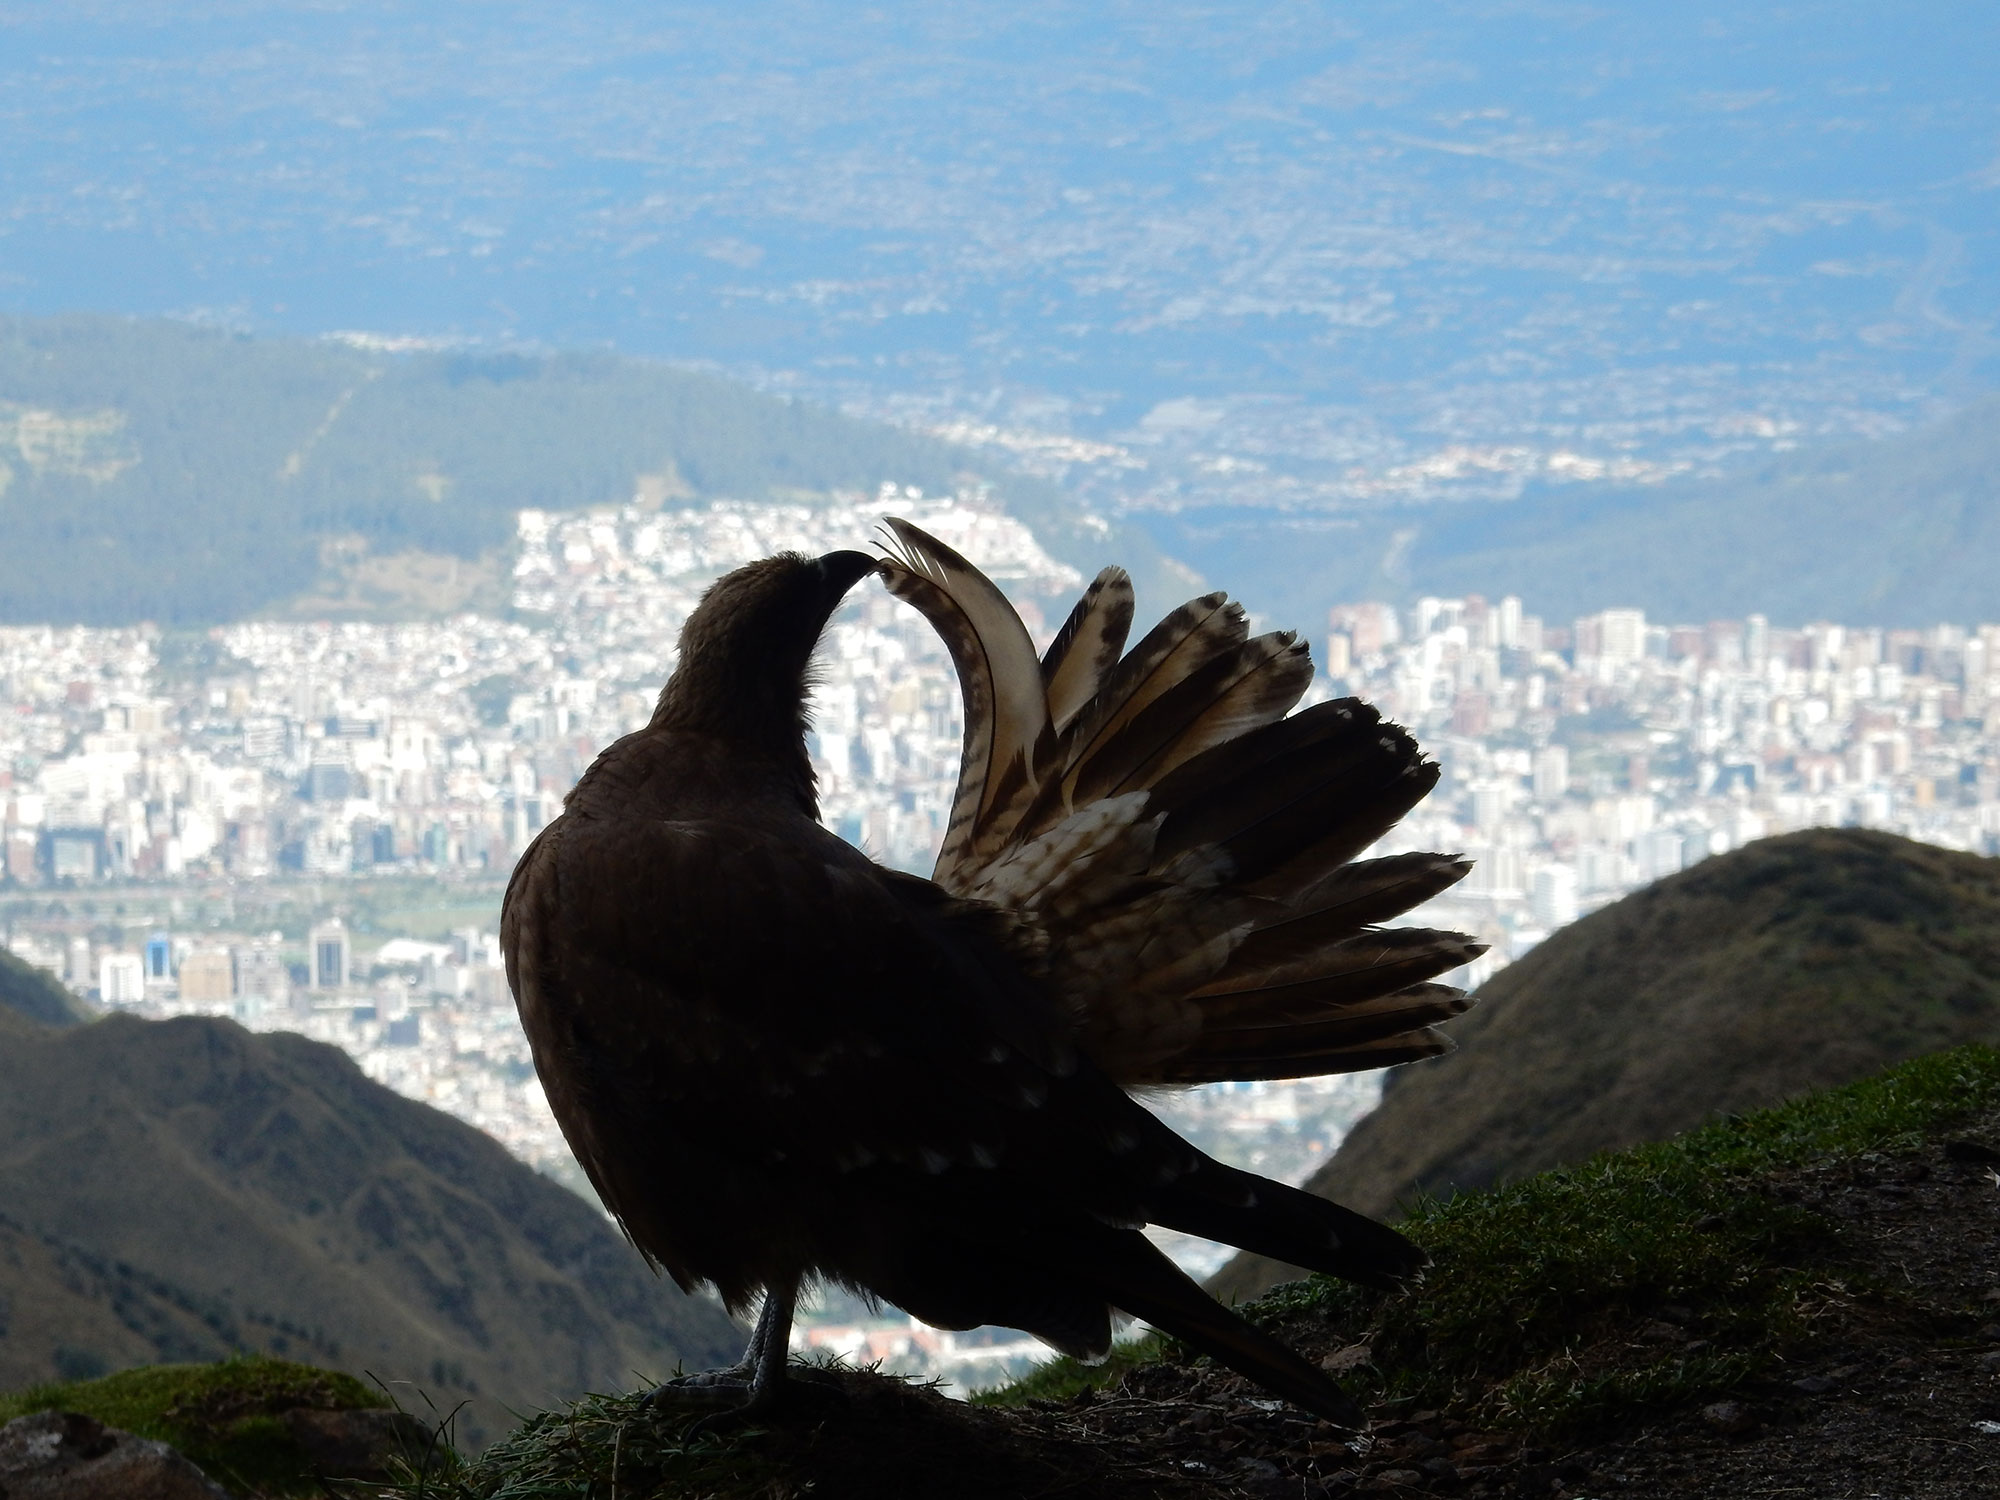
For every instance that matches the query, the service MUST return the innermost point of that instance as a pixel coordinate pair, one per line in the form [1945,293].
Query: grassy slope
[1523,1318]
[1526,1320]
[1795,963]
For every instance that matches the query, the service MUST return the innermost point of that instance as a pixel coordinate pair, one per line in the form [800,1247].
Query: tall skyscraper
[327,955]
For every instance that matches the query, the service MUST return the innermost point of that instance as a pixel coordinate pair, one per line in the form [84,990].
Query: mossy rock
[227,1418]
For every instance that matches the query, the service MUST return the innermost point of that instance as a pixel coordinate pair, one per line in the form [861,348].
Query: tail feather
[1335,1031]
[1146,1284]
[1182,643]
[1272,793]
[1344,833]
[1006,707]
[1376,961]
[1239,1208]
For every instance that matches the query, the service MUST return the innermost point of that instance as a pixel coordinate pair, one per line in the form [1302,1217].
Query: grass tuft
[600,1446]
[1060,1379]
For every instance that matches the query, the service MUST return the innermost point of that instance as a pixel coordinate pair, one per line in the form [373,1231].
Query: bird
[782,1063]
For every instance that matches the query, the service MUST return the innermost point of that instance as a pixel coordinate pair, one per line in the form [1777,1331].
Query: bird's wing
[787,1005]
[1181,842]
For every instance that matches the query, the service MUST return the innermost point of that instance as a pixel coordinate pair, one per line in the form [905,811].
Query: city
[306,826]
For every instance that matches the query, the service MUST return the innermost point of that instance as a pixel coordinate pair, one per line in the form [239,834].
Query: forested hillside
[186,1189]
[162,471]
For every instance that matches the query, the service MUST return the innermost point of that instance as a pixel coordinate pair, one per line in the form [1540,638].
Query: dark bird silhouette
[778,1060]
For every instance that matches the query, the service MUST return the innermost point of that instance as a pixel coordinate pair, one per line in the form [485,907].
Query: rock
[1814,1385]
[64,1455]
[1353,1357]
[356,1444]
[1396,1479]
[1730,1418]
[1261,1478]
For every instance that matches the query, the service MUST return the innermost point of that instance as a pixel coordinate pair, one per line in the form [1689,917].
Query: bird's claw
[738,1398]
[705,1388]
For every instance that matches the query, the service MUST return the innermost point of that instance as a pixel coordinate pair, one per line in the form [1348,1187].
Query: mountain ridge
[186,1189]
[38,995]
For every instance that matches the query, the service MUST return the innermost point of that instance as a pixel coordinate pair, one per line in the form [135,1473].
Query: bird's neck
[674,768]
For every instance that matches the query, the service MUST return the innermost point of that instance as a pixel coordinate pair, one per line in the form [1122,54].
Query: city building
[328,955]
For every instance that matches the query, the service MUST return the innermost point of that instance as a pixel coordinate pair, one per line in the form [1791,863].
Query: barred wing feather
[1181,841]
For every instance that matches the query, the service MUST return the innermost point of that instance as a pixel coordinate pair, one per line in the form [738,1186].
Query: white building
[121,979]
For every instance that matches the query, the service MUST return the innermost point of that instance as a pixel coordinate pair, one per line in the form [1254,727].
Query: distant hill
[166,472]
[1897,532]
[1795,963]
[37,994]
[182,1190]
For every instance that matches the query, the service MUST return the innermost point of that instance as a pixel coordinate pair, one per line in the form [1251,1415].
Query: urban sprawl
[1580,760]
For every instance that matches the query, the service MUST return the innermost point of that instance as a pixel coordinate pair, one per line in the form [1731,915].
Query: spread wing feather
[1181,840]
[1179,645]
[1229,694]
[1345,899]
[1006,706]
[1088,645]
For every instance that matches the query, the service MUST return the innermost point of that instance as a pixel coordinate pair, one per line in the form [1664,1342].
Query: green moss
[222,1416]
[1528,1313]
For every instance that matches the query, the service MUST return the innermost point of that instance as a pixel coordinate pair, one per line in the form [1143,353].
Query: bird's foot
[703,1388]
[735,1397]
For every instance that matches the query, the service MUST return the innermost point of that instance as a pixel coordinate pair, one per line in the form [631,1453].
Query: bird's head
[746,649]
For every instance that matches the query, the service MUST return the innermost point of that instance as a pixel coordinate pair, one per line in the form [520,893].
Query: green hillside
[187,1190]
[160,471]
[1792,964]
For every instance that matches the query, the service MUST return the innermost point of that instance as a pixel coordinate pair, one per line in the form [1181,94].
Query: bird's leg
[770,1349]
[768,1317]
[758,1378]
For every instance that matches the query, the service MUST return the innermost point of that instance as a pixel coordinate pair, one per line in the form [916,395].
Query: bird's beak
[842,570]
